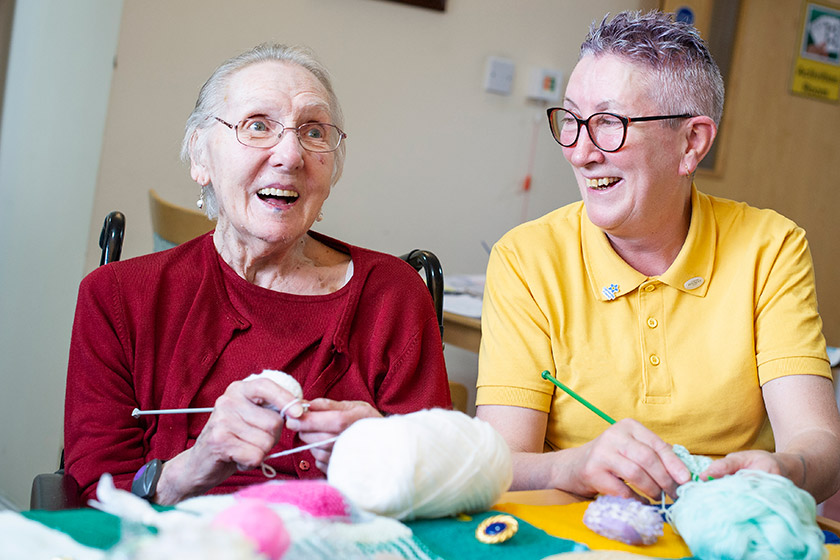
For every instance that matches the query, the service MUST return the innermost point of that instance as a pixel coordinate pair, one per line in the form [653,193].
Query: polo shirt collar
[610,277]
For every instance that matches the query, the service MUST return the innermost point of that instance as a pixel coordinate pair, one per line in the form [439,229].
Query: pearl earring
[200,201]
[320,217]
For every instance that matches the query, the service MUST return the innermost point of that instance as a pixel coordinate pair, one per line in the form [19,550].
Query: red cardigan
[148,330]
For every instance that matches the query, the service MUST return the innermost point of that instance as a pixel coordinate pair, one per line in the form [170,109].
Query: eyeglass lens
[605,129]
[265,133]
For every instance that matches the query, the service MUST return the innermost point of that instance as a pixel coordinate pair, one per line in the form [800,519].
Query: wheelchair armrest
[54,491]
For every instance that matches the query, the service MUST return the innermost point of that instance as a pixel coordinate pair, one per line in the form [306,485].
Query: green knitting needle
[578,398]
[590,406]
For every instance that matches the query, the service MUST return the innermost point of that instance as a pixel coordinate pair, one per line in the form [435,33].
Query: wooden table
[539,498]
[461,331]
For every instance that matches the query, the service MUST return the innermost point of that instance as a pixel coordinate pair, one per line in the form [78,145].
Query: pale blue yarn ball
[750,515]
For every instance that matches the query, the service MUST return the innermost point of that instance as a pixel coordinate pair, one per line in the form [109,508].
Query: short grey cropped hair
[211,101]
[687,79]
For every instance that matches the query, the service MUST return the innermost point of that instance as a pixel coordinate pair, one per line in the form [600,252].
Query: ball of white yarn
[283,379]
[427,464]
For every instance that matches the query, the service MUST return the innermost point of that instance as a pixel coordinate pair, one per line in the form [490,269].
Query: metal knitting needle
[271,472]
[302,448]
[136,413]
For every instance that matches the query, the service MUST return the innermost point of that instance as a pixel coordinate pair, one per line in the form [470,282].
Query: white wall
[56,96]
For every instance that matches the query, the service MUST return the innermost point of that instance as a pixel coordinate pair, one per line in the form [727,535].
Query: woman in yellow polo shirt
[691,318]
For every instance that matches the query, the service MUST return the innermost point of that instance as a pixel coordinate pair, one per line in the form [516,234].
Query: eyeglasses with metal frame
[262,132]
[607,131]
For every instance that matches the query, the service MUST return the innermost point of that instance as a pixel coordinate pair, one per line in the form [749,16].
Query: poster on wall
[816,71]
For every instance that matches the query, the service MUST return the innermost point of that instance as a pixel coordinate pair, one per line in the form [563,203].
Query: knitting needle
[270,471]
[578,398]
[136,413]
[589,405]
[302,448]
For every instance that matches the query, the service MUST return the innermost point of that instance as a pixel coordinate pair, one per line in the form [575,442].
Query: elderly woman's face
[627,192]
[270,195]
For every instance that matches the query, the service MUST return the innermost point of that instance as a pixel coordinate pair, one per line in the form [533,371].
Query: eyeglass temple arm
[659,117]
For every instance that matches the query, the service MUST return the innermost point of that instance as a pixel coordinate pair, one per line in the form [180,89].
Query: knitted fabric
[695,463]
[317,498]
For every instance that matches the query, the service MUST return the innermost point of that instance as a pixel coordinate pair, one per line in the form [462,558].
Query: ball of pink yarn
[316,497]
[259,523]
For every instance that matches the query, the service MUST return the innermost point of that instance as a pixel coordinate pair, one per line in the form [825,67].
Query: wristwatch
[146,479]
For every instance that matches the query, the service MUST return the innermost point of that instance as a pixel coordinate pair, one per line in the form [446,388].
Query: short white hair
[211,101]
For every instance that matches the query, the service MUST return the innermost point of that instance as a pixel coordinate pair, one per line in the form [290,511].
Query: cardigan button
[304,465]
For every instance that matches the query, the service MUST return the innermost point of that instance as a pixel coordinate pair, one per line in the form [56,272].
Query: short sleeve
[515,338]
[789,339]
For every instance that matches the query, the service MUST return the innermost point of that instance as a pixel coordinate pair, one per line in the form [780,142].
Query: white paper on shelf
[462,304]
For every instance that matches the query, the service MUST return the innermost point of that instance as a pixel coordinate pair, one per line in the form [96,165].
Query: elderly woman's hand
[625,454]
[326,419]
[244,426]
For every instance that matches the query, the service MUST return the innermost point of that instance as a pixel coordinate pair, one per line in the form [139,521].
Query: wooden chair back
[176,224]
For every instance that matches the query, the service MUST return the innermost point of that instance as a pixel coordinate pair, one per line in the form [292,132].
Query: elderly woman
[690,318]
[183,328]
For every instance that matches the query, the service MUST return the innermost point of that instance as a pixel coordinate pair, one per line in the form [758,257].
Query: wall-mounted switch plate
[499,75]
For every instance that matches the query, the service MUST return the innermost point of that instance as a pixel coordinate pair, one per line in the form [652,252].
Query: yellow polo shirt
[685,353]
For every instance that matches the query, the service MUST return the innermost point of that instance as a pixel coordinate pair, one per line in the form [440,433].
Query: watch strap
[146,479]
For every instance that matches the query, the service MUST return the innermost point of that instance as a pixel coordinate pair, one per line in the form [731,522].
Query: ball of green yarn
[749,515]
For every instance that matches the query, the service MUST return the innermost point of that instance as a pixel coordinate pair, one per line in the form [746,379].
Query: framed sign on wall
[439,5]
[816,72]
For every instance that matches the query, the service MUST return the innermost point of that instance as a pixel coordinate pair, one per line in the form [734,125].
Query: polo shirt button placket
[304,465]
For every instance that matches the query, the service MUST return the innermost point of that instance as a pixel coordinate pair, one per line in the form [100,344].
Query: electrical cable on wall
[532,151]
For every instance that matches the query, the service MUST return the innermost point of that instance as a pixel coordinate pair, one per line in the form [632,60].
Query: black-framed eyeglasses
[261,132]
[607,131]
